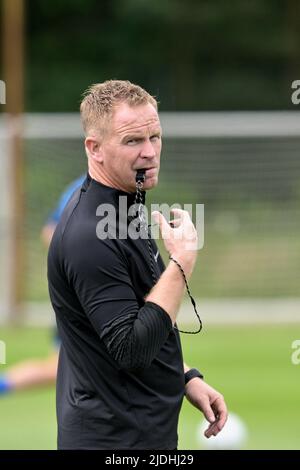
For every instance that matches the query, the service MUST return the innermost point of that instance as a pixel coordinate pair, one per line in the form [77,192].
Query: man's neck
[97,175]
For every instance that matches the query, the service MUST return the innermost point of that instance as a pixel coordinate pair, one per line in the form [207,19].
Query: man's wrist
[191,374]
[186,264]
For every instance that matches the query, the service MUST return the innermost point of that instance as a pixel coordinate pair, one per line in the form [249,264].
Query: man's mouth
[147,170]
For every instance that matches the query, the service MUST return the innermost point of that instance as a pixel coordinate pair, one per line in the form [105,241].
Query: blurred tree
[293,39]
[197,54]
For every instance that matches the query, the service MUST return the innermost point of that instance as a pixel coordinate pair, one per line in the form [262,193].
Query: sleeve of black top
[134,340]
[132,335]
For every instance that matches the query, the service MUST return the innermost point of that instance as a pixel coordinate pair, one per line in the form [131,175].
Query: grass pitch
[250,365]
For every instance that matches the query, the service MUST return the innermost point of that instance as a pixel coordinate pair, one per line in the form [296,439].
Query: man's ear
[93,148]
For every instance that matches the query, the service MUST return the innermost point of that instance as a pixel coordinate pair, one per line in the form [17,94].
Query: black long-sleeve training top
[120,380]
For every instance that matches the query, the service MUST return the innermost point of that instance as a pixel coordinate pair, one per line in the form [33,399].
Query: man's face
[132,142]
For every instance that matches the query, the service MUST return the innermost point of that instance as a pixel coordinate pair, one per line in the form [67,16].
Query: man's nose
[148,150]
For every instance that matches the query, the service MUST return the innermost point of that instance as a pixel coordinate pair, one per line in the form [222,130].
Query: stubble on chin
[151,183]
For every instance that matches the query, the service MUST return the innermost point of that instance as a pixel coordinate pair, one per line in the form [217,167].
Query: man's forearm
[169,290]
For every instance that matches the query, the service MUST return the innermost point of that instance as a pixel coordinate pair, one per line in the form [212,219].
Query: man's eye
[155,137]
[132,141]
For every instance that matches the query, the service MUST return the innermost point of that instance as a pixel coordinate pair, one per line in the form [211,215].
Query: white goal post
[187,137]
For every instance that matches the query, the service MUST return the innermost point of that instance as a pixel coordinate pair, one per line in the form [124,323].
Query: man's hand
[210,402]
[180,237]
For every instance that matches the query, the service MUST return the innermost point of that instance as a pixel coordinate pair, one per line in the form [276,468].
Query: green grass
[27,417]
[250,365]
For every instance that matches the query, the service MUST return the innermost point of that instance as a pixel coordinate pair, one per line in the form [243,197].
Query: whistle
[140,176]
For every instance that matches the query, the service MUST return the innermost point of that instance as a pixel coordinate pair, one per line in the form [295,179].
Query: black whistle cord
[140,178]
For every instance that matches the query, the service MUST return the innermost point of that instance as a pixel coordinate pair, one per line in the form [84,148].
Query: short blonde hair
[100,99]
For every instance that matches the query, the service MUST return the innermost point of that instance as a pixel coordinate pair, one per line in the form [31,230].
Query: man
[36,372]
[121,377]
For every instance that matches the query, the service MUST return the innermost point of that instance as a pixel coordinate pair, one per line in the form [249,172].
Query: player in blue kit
[37,372]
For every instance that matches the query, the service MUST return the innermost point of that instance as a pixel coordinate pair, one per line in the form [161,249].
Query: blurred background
[222,73]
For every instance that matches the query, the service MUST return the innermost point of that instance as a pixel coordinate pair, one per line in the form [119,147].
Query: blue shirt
[64,199]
